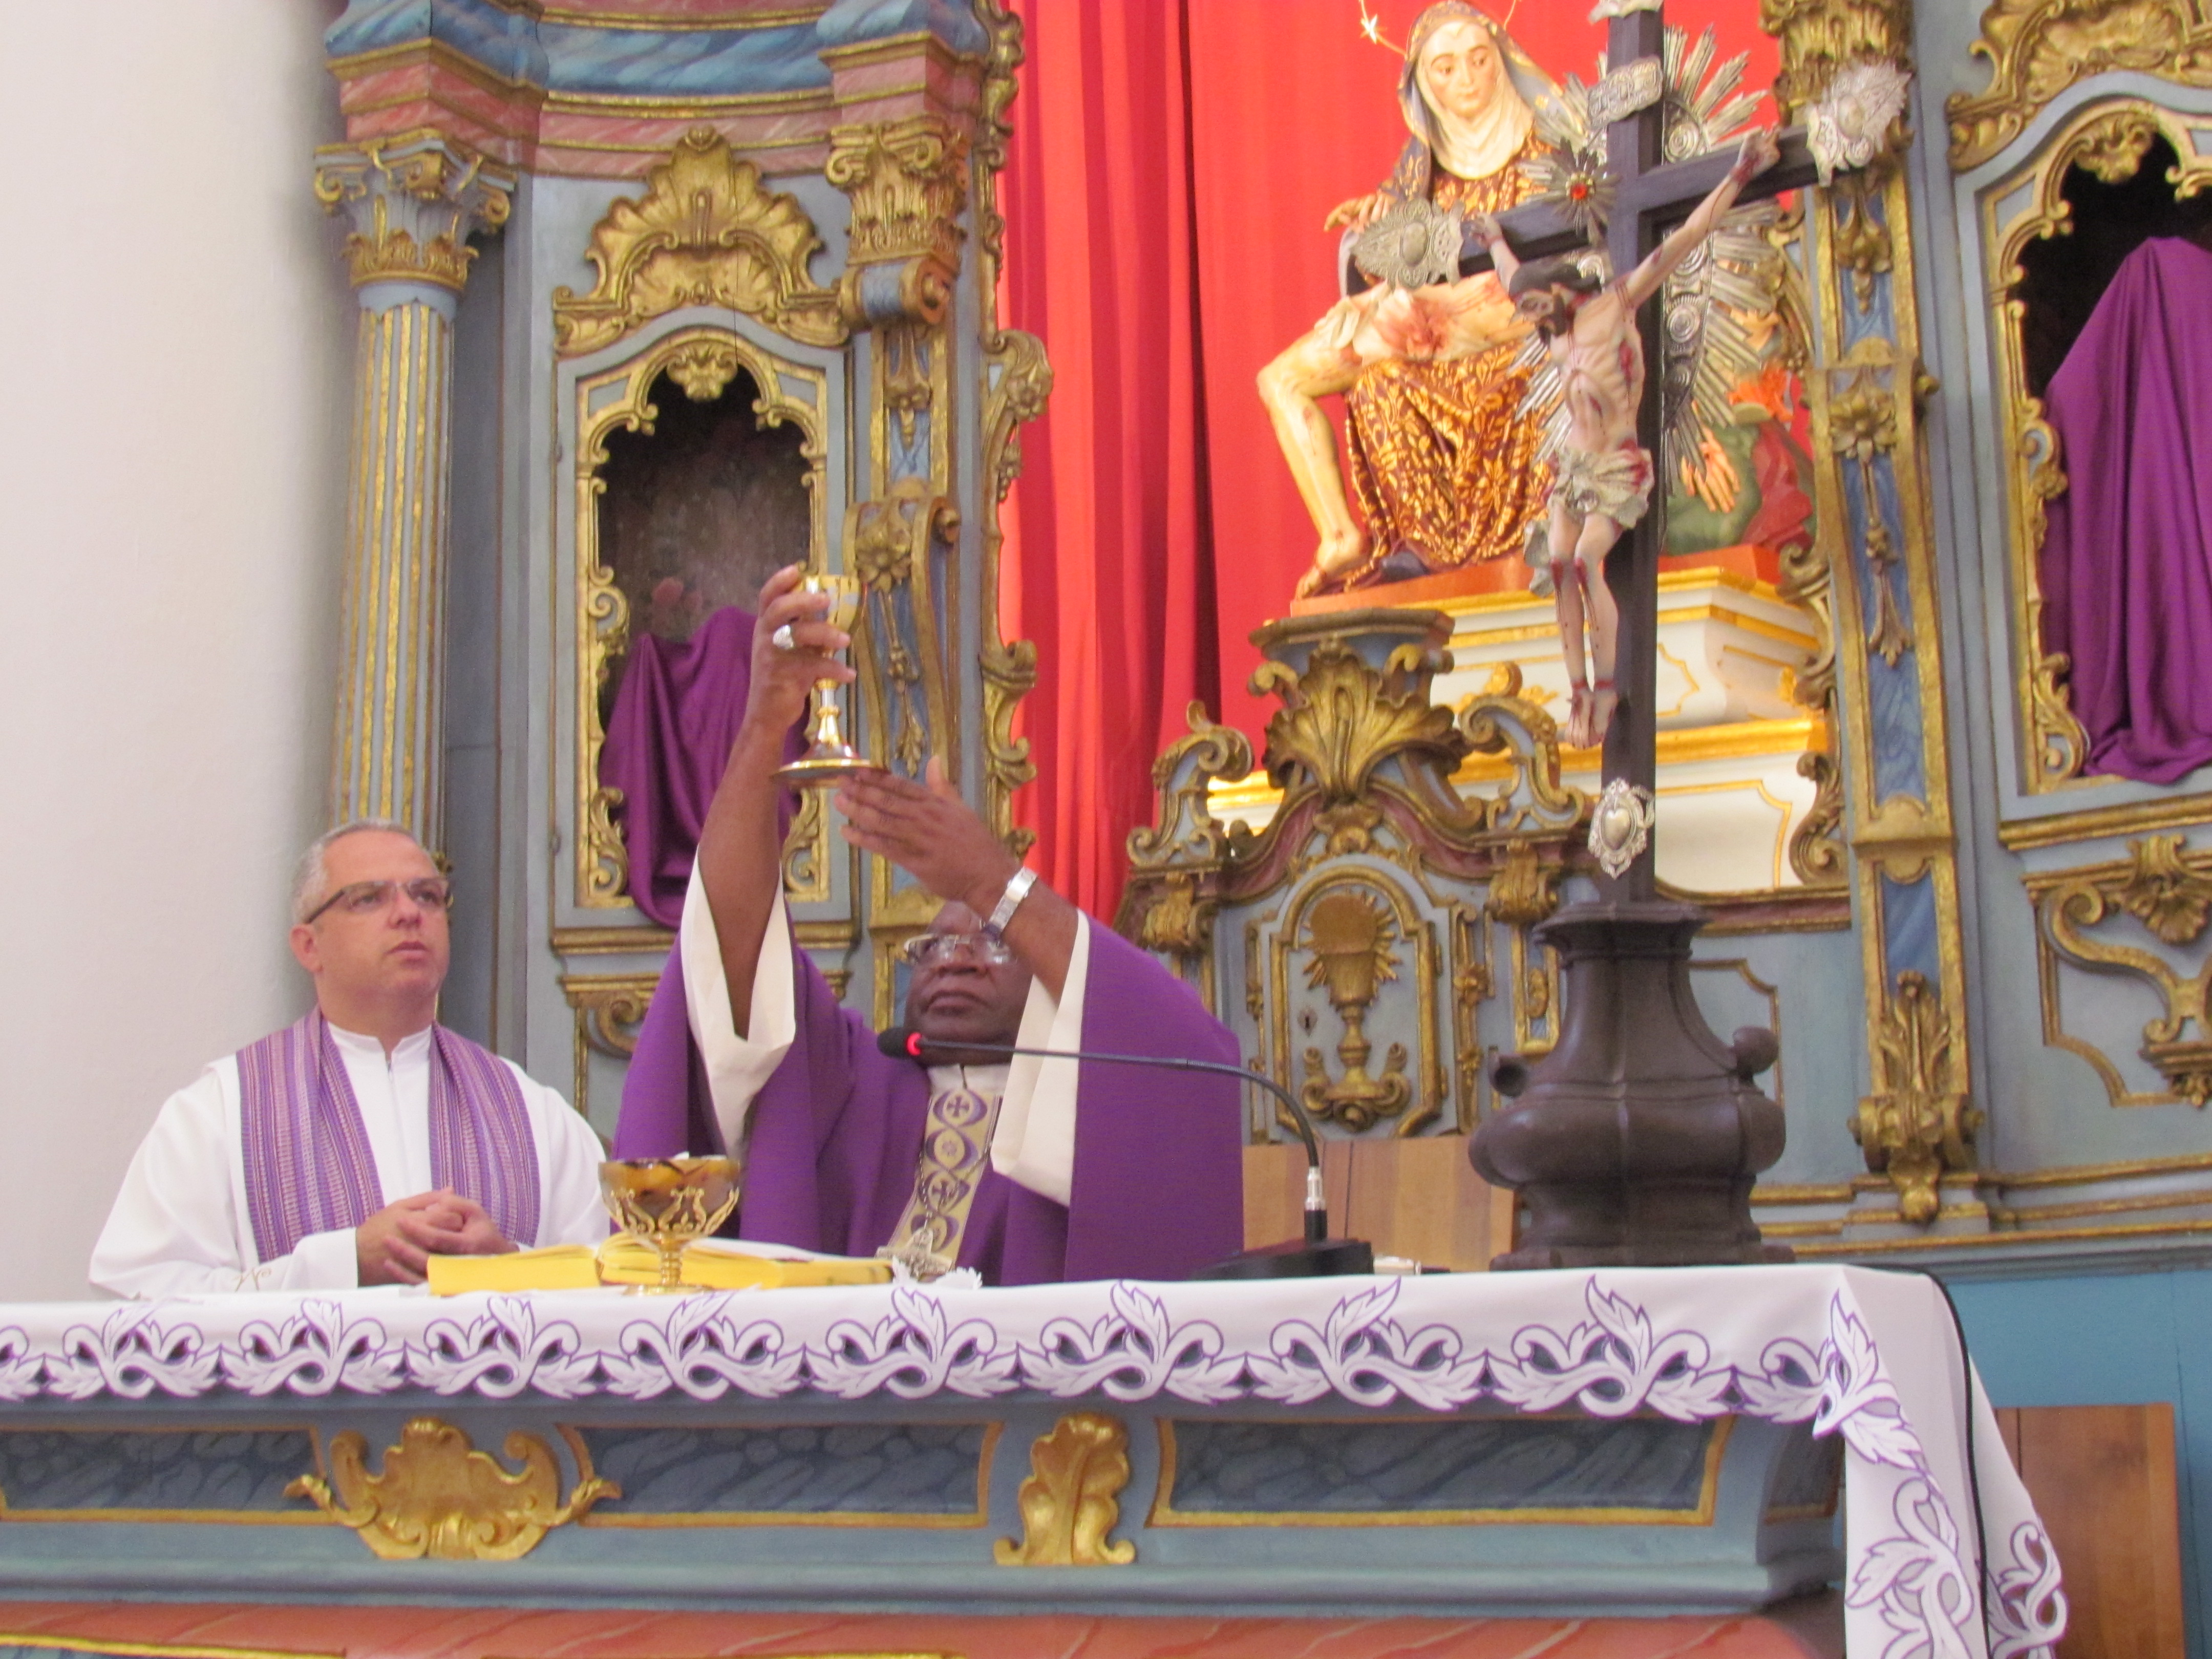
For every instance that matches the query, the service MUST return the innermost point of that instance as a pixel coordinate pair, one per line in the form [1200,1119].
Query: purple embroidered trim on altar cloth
[307,1162]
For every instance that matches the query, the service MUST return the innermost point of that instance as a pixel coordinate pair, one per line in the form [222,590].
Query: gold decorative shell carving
[705,234]
[439,1498]
[1071,1499]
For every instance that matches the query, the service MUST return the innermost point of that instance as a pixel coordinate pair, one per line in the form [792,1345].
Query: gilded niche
[706,232]
[2037,49]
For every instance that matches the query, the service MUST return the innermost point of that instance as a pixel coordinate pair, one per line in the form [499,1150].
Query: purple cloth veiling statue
[674,719]
[2127,557]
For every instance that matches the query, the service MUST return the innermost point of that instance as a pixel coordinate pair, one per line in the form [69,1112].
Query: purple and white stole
[308,1166]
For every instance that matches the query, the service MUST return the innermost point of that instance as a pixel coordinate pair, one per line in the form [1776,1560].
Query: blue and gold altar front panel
[735,1506]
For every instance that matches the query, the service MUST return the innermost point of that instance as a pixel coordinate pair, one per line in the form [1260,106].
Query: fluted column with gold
[412,202]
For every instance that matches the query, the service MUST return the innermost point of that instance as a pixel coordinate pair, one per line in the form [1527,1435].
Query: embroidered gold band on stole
[954,1144]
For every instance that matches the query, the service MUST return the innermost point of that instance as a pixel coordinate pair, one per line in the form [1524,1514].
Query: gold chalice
[668,1202]
[828,758]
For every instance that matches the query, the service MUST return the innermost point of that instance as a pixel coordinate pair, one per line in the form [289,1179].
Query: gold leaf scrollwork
[613,1007]
[1523,892]
[806,847]
[1341,720]
[1816,849]
[1919,1126]
[1863,240]
[2169,889]
[1499,720]
[706,232]
[1862,427]
[413,200]
[2114,149]
[1348,940]
[1071,1499]
[1178,920]
[2036,49]
[1819,36]
[438,1497]
[1009,670]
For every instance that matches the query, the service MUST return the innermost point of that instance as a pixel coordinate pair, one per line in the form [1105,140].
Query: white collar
[407,1050]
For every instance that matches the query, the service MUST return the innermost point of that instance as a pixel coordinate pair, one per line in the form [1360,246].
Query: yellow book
[555,1267]
[715,1265]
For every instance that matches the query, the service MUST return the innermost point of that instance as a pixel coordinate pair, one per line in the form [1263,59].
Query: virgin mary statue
[1445,469]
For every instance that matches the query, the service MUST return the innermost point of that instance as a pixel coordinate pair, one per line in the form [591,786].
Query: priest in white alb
[351,1146]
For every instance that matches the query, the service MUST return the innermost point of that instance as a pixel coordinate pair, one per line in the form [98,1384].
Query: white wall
[176,369]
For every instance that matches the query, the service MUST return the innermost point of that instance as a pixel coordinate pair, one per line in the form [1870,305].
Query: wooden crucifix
[1648,196]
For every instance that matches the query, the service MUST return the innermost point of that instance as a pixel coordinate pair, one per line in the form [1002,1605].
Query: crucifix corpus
[1636,1139]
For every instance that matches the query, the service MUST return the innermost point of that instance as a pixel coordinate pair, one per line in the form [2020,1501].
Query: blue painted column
[412,202]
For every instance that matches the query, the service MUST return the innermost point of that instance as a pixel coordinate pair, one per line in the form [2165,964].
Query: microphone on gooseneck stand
[1317,1255]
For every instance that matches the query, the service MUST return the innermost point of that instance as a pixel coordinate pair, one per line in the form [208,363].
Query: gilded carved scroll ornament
[2168,889]
[2036,49]
[1071,1499]
[437,1496]
[706,232]
[1918,1125]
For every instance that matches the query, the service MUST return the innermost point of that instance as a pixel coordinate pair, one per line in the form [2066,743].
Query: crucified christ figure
[1602,484]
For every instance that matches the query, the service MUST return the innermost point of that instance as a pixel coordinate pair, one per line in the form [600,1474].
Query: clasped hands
[395,1245]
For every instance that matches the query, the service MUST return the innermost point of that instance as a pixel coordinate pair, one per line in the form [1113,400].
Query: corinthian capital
[413,200]
[908,181]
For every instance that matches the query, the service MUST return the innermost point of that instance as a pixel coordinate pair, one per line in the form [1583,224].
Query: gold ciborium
[829,756]
[668,1202]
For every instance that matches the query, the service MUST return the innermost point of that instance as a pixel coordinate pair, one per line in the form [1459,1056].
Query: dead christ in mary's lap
[1604,476]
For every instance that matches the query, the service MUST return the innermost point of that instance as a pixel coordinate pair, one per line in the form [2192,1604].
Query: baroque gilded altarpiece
[555,232]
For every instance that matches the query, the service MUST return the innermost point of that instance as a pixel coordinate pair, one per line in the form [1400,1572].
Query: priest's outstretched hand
[928,830]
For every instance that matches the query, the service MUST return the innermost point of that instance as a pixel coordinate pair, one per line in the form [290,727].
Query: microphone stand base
[1296,1259]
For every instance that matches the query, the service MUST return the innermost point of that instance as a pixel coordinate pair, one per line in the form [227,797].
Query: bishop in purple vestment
[1032,1172]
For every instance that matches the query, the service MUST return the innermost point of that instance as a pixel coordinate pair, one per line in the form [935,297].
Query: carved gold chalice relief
[668,1202]
[1350,940]
[437,1496]
[829,756]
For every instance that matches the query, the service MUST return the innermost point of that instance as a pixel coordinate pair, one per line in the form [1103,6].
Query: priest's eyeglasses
[363,898]
[939,950]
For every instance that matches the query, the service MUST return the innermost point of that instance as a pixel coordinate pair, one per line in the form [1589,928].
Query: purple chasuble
[668,738]
[2127,556]
[836,1135]
[308,1166]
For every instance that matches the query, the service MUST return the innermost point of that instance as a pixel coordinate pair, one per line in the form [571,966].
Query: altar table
[1627,1442]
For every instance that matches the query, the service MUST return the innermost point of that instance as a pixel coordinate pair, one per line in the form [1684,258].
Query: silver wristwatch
[1017,888]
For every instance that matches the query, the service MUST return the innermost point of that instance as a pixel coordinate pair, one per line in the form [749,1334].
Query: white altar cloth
[1873,1355]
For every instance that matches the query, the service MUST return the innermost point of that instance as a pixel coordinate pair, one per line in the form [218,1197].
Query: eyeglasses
[936,949]
[361,898]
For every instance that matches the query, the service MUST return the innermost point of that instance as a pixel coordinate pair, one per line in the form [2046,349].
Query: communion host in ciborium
[1443,459]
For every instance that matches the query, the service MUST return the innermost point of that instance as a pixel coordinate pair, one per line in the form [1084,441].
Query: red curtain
[1172,164]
